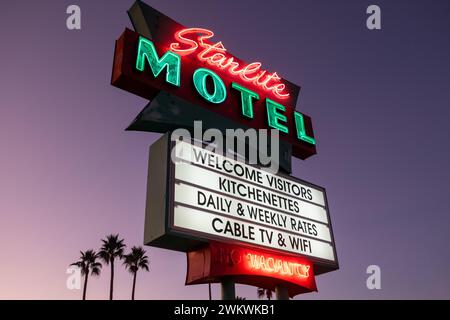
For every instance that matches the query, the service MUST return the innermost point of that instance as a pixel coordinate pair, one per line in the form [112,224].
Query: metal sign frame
[181,239]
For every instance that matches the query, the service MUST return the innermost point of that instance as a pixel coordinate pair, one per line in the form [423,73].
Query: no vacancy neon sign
[251,266]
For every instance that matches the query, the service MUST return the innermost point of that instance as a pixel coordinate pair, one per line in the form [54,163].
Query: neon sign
[191,40]
[270,264]
[180,62]
[214,85]
[171,62]
[252,266]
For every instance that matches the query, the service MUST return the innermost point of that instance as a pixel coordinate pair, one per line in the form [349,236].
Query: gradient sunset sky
[379,100]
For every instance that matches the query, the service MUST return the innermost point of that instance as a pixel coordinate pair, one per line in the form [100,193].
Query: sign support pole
[209,290]
[281,292]
[228,289]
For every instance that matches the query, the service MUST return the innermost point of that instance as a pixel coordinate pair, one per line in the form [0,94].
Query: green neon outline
[301,131]
[170,60]
[246,99]
[199,78]
[273,116]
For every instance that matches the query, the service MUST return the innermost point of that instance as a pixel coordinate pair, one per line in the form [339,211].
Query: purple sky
[379,100]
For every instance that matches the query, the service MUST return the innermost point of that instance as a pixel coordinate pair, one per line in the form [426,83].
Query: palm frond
[261,293]
[77,264]
[144,267]
[112,248]
[88,262]
[135,260]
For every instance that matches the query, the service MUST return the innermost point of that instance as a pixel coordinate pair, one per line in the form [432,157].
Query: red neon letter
[192,45]
[190,39]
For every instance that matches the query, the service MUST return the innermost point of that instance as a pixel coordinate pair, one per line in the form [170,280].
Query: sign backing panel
[205,196]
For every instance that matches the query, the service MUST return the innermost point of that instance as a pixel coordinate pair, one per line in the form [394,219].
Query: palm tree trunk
[85,285]
[134,285]
[112,281]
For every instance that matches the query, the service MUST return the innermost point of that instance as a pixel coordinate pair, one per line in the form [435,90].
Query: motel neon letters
[171,63]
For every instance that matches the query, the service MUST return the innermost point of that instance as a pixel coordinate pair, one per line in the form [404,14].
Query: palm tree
[264,293]
[111,249]
[88,262]
[135,260]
